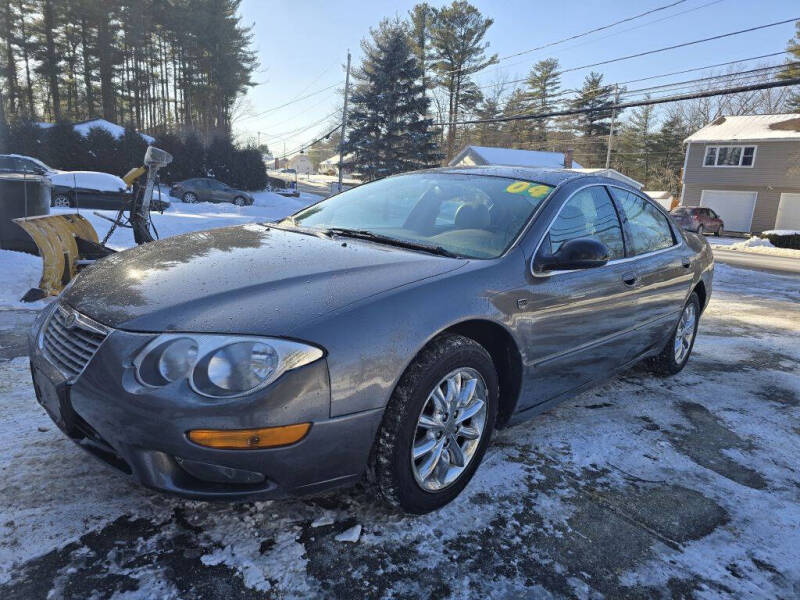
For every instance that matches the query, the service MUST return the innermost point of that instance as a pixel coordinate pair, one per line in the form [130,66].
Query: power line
[311,143]
[616,33]
[274,108]
[682,45]
[724,64]
[730,78]
[652,101]
[583,34]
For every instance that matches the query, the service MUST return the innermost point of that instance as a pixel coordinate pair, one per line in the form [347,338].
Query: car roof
[552,177]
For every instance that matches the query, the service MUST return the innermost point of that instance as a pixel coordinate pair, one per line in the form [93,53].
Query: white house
[331,165]
[300,163]
[511,157]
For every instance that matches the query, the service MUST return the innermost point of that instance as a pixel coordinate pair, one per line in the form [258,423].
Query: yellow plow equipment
[55,236]
[68,242]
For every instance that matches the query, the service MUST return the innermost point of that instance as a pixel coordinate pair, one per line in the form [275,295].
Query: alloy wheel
[238,201]
[449,429]
[684,334]
[189,198]
[61,201]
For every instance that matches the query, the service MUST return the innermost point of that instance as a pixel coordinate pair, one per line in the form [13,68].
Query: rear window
[682,211]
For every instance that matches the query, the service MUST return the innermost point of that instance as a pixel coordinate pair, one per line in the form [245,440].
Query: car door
[575,324]
[217,191]
[663,265]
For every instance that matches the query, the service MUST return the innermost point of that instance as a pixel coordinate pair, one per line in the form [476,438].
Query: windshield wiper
[364,234]
[294,228]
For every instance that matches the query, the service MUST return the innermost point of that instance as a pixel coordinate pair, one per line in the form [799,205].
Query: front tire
[718,232]
[239,201]
[678,348]
[190,198]
[437,425]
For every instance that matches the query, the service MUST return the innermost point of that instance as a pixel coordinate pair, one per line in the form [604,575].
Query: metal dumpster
[21,195]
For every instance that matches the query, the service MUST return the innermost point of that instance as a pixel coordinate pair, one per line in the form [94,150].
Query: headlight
[220,366]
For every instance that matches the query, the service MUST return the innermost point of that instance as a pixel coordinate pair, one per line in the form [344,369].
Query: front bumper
[142,432]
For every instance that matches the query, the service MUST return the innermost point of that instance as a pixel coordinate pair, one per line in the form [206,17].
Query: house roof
[773,128]
[334,160]
[511,157]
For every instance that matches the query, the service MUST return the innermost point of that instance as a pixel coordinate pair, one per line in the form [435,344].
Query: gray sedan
[381,334]
[205,189]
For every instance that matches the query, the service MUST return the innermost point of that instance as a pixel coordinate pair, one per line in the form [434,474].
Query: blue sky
[302,47]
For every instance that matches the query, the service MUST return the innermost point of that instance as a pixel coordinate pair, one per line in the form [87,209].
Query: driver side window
[588,213]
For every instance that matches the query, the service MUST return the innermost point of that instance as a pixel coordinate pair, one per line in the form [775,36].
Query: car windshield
[474,216]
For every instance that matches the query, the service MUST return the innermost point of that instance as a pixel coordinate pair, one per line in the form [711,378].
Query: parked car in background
[698,219]
[206,189]
[385,331]
[76,189]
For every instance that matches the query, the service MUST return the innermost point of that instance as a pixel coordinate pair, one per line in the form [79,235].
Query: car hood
[246,279]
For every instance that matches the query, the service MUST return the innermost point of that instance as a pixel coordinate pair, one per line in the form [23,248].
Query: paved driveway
[644,487]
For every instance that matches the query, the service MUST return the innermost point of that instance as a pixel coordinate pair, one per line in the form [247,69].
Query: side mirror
[580,253]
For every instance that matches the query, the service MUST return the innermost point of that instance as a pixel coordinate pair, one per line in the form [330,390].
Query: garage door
[788,212]
[735,208]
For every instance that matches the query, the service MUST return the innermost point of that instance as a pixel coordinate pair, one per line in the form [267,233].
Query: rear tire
[675,354]
[700,230]
[412,421]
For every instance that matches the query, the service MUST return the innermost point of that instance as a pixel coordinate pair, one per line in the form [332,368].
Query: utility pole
[611,128]
[344,119]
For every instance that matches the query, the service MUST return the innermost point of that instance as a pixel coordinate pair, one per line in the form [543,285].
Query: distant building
[115,130]
[300,163]
[330,166]
[747,169]
[512,157]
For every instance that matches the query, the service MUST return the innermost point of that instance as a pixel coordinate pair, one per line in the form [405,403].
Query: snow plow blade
[55,236]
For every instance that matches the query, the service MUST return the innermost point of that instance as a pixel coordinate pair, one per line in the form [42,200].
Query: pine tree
[544,84]
[388,129]
[458,52]
[792,69]
[596,100]
[638,144]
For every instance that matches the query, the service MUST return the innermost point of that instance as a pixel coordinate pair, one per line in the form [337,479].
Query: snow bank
[781,232]
[89,180]
[763,246]
[19,272]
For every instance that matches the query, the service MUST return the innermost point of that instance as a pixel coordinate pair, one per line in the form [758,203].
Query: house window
[729,156]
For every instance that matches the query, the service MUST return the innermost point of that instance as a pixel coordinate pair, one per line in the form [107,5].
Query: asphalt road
[779,265]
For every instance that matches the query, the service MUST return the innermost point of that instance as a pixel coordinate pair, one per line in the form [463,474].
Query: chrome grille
[69,340]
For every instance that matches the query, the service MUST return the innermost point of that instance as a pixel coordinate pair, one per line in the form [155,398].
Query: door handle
[686,262]
[629,279]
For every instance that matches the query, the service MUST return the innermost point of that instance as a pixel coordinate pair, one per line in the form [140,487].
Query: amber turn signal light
[250,439]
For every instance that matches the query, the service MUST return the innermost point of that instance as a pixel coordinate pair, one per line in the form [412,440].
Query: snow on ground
[753,244]
[19,271]
[643,487]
